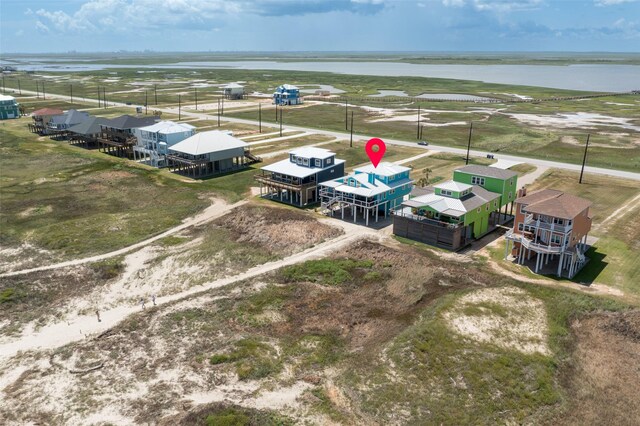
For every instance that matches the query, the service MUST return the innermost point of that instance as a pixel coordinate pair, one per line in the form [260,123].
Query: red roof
[48,111]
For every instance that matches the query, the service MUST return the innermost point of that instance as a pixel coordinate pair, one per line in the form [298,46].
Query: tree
[424,181]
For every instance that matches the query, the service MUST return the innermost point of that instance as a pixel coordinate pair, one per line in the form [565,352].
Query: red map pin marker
[375,156]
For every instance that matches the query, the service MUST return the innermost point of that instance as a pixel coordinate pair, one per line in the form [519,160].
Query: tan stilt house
[550,229]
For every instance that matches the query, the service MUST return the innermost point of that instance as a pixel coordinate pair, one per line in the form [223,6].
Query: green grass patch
[326,271]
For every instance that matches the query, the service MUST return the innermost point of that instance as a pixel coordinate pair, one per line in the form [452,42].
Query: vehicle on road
[423,143]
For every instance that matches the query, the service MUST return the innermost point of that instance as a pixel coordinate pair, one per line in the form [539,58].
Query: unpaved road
[62,333]
[214,211]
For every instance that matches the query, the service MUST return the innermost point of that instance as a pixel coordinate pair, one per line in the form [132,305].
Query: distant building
[41,118]
[287,94]
[553,227]
[209,153]
[153,141]
[369,190]
[9,107]
[233,91]
[452,214]
[295,180]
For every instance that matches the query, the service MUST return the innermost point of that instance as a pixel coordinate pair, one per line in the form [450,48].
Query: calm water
[603,78]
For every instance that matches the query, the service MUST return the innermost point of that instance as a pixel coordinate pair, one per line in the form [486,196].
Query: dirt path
[532,176]
[415,157]
[83,326]
[215,210]
[620,212]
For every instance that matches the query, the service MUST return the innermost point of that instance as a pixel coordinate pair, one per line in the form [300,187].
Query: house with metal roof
[287,94]
[370,191]
[233,91]
[154,141]
[9,107]
[451,214]
[209,153]
[552,227]
[295,179]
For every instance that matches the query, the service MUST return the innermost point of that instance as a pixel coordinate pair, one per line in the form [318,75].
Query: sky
[53,26]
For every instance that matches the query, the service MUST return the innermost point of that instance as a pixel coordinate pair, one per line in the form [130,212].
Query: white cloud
[503,6]
[42,27]
[140,15]
[612,2]
[20,33]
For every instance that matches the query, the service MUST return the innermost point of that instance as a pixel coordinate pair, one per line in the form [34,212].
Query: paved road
[344,135]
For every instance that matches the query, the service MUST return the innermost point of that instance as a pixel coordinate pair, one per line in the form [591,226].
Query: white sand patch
[507,317]
[618,103]
[572,120]
[515,95]
[247,394]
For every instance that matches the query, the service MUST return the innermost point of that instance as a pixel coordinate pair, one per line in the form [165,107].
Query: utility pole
[155,92]
[195,89]
[71,92]
[99,100]
[4,90]
[276,112]
[259,118]
[179,107]
[281,121]
[469,143]
[218,111]
[351,138]
[37,90]
[104,97]
[418,130]
[146,102]
[44,95]
[223,106]
[19,88]
[584,158]
[346,115]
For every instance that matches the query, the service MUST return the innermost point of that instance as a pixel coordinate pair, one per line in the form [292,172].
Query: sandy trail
[415,157]
[532,176]
[83,326]
[619,213]
[286,151]
[214,211]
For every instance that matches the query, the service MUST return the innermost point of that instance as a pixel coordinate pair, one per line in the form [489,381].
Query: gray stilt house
[295,180]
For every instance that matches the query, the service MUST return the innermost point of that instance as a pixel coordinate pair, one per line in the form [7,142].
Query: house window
[558,221]
[520,227]
[569,222]
[445,192]
[318,163]
[487,207]
[510,195]
[511,182]
[477,180]
[522,208]
[329,160]
[305,161]
[556,239]
[299,160]
[479,209]
[294,158]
